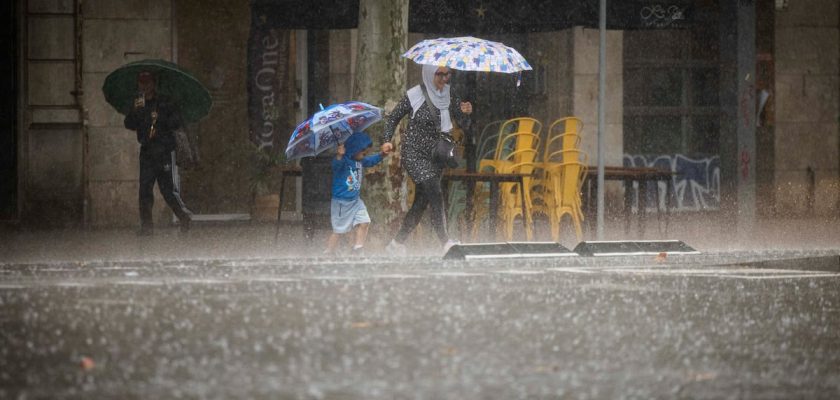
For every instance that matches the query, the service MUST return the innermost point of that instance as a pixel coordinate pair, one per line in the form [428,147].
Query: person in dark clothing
[418,148]
[155,120]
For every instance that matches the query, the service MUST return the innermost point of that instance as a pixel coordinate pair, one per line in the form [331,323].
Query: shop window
[671,92]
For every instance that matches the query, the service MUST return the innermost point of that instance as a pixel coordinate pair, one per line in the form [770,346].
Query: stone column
[585,100]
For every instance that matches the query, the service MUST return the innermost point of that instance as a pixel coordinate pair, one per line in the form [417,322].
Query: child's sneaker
[358,251]
[449,244]
[395,249]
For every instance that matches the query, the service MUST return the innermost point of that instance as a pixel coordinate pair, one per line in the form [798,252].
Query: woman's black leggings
[425,194]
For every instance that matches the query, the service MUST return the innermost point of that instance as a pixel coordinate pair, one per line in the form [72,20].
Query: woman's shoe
[449,244]
[395,248]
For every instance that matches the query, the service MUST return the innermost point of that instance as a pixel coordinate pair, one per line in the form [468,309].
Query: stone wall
[570,59]
[584,64]
[552,89]
[116,33]
[211,38]
[51,140]
[207,39]
[585,101]
[807,125]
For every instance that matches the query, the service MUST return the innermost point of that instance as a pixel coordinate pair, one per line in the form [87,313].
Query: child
[347,210]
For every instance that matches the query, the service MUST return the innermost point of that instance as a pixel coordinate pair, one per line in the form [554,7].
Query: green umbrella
[173,83]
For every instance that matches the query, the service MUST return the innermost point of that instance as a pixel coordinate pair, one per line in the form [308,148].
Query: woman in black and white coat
[418,148]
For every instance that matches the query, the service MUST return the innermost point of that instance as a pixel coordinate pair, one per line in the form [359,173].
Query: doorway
[9,114]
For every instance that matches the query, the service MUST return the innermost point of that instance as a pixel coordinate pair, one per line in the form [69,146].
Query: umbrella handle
[332,130]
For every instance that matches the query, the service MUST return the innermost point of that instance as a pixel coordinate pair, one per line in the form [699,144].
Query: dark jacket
[168,120]
[421,137]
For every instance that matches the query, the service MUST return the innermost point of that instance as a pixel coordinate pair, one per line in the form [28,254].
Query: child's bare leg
[361,235]
[332,243]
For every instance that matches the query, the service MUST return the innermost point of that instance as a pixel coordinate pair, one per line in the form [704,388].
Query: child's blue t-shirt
[347,176]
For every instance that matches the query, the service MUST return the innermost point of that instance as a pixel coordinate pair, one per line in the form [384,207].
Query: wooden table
[470,178]
[628,175]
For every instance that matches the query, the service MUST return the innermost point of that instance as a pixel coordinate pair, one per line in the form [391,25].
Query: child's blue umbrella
[329,127]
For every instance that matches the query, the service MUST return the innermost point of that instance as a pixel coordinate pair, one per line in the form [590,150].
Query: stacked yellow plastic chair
[563,134]
[489,151]
[565,182]
[486,145]
[488,140]
[516,152]
[567,130]
[561,147]
[511,195]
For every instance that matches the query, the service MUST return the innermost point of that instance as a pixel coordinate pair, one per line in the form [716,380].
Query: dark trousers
[157,167]
[428,193]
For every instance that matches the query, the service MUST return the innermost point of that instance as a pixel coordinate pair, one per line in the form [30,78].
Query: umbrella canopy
[173,83]
[329,127]
[468,54]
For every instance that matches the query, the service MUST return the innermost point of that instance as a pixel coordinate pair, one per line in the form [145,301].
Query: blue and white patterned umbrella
[329,127]
[468,54]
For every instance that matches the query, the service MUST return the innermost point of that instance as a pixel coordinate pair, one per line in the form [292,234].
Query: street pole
[602,83]
[738,127]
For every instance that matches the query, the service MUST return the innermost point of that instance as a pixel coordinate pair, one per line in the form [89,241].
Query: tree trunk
[380,80]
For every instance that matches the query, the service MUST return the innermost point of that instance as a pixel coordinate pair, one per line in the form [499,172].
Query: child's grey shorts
[346,214]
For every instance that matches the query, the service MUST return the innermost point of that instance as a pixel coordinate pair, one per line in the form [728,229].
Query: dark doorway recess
[8,112]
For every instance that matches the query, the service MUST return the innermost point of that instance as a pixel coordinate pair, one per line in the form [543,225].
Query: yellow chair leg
[553,225]
[578,229]
[509,218]
[528,217]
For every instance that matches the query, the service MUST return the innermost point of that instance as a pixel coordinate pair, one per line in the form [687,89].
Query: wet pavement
[707,233]
[735,324]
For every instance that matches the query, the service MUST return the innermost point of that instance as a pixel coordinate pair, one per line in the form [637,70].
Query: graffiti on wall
[661,16]
[696,182]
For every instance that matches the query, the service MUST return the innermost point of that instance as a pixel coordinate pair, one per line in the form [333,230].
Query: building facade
[675,99]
